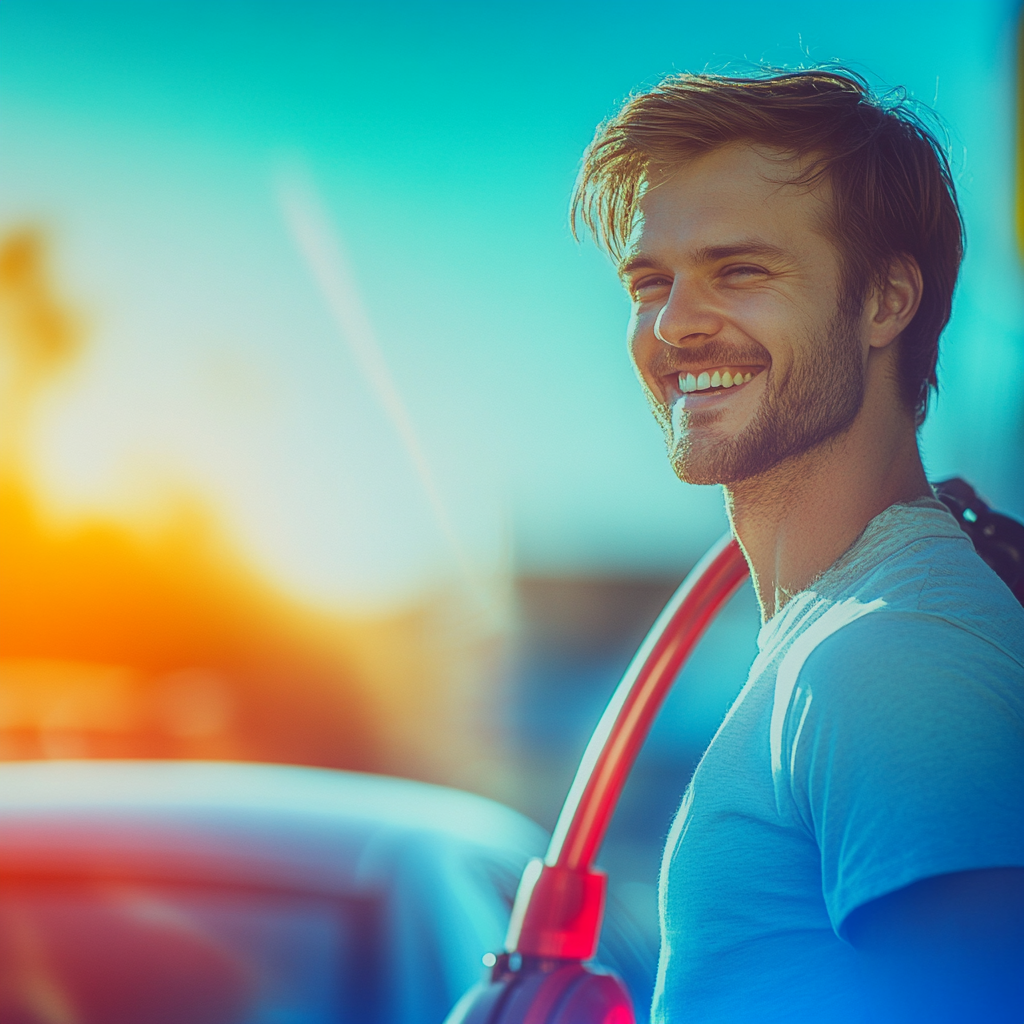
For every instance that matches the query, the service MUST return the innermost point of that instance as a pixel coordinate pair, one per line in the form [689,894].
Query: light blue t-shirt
[879,740]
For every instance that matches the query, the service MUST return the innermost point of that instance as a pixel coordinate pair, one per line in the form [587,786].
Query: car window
[106,953]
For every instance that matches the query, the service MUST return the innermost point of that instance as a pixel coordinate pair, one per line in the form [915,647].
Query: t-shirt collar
[888,533]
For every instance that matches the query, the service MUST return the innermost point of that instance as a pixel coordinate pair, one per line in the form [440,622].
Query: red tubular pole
[630,713]
[560,900]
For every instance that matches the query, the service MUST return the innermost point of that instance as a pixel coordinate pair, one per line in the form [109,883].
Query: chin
[698,479]
[732,460]
[728,460]
[705,453]
[695,466]
[702,476]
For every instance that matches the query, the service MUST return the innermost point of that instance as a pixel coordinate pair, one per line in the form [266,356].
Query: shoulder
[897,695]
[896,671]
[938,573]
[962,590]
[902,752]
[929,610]
[867,683]
[901,707]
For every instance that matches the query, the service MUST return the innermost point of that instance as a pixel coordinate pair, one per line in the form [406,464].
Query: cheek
[775,324]
[761,312]
[633,329]
[640,339]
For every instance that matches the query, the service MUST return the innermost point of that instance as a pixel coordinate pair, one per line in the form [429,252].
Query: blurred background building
[319,439]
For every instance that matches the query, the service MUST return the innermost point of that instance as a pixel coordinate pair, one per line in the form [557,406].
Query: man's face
[737,332]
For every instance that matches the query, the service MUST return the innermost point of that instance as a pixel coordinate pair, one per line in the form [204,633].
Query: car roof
[307,829]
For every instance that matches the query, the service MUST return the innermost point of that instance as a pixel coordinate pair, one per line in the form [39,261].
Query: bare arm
[946,950]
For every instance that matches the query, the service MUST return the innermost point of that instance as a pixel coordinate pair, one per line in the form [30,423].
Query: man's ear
[896,299]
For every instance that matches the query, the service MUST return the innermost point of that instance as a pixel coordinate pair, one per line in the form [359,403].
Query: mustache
[712,353]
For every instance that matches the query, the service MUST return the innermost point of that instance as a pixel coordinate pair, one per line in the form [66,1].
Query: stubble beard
[815,401]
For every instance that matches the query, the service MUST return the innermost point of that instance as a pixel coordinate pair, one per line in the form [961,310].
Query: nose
[688,317]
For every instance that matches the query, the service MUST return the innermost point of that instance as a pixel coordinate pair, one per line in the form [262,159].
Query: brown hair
[891,186]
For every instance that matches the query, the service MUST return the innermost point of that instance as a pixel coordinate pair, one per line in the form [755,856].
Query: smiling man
[851,847]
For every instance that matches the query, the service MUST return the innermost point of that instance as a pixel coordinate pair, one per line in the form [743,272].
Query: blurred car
[214,893]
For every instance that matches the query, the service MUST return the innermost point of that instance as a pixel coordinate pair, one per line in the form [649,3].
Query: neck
[796,519]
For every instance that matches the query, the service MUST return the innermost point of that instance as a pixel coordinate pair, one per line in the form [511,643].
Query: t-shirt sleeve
[904,747]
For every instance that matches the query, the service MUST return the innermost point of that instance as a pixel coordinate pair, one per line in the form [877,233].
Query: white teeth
[716,379]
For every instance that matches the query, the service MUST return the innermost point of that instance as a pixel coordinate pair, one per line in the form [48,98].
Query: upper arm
[945,948]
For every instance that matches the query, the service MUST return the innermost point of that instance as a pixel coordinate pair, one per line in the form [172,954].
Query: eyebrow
[706,254]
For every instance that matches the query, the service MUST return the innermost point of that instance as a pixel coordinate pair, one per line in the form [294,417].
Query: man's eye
[648,284]
[743,270]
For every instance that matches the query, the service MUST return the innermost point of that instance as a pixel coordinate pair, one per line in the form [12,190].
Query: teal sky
[156,141]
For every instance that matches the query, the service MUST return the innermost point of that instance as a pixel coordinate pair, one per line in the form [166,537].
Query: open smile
[697,386]
[717,377]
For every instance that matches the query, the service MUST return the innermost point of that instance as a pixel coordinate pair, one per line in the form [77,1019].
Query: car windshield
[105,953]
